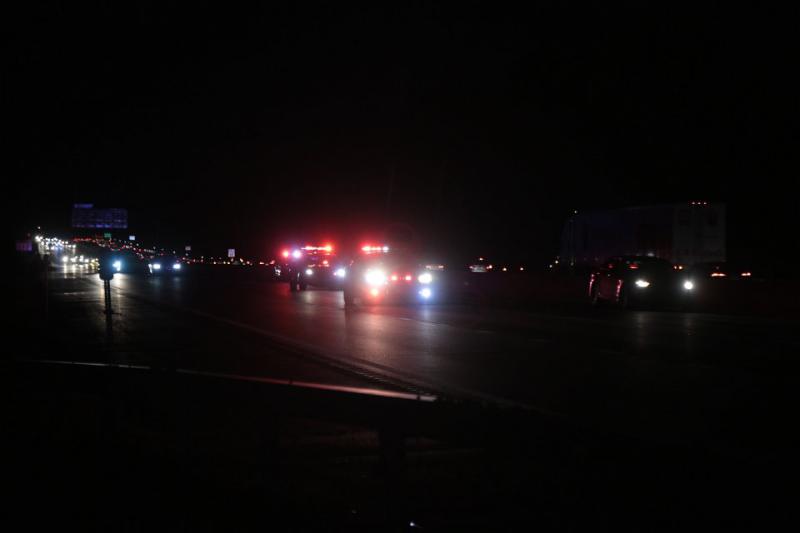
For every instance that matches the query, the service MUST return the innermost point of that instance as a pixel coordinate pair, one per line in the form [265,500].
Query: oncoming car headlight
[642,284]
[375,277]
[309,272]
[688,285]
[176,266]
[340,273]
[117,265]
[425,278]
[156,266]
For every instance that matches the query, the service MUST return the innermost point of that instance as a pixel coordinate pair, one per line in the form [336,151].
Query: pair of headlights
[157,266]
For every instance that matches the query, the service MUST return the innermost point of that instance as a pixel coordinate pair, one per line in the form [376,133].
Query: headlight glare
[375,277]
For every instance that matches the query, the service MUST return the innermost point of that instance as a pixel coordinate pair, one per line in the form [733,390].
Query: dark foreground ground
[153,445]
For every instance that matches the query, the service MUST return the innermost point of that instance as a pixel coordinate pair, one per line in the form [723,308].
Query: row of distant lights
[108,243]
[491,267]
[79,260]
[53,243]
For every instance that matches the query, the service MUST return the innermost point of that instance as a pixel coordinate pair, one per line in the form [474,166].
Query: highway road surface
[726,382]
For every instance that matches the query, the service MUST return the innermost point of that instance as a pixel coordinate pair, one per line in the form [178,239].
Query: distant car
[634,281]
[125,262]
[385,276]
[162,265]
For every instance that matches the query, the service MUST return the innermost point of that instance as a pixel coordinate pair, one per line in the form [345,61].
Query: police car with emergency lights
[313,265]
[381,275]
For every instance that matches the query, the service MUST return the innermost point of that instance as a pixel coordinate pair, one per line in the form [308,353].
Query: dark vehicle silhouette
[125,262]
[165,265]
[637,281]
[318,266]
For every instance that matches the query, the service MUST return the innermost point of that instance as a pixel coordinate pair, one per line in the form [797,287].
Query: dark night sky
[473,124]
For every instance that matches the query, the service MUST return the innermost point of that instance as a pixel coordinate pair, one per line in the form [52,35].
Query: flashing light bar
[374,249]
[326,248]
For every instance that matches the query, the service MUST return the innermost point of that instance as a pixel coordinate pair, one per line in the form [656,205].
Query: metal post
[109,312]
